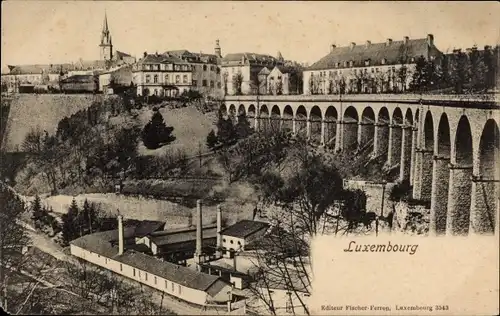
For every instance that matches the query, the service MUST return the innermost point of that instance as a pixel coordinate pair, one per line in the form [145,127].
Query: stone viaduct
[446,146]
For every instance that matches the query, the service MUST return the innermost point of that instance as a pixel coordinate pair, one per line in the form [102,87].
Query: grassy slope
[191,128]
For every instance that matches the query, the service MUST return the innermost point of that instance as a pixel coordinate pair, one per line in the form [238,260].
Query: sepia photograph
[250,158]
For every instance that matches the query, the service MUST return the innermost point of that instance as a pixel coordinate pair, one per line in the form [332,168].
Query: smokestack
[332,47]
[368,43]
[219,229]
[406,39]
[199,231]
[352,45]
[430,39]
[120,235]
[388,42]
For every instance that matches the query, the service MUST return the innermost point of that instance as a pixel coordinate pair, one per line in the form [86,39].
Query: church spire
[105,28]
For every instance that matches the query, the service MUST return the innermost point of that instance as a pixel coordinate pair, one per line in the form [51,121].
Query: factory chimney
[219,229]
[199,233]
[120,235]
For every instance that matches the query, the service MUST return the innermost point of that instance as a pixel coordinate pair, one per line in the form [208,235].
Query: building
[368,68]
[240,72]
[206,74]
[184,283]
[178,246]
[235,237]
[161,75]
[116,78]
[29,76]
[284,80]
[80,84]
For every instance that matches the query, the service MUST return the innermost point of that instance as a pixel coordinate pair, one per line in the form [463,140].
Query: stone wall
[374,192]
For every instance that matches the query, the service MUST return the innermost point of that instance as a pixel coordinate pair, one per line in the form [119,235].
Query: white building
[368,68]
[235,237]
[162,75]
[181,282]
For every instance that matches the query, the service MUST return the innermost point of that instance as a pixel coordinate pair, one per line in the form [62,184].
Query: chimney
[487,47]
[199,232]
[120,235]
[352,45]
[234,260]
[406,39]
[430,40]
[145,54]
[332,47]
[368,43]
[388,42]
[219,229]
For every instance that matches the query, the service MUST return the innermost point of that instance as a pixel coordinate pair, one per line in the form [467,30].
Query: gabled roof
[159,59]
[39,69]
[163,238]
[375,52]
[98,243]
[79,79]
[120,55]
[244,228]
[192,57]
[264,71]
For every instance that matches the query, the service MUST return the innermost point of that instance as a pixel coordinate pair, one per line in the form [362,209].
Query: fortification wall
[44,111]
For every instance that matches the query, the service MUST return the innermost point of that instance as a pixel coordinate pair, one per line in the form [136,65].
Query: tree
[33,141]
[419,78]
[212,140]
[458,70]
[13,241]
[478,71]
[156,133]
[71,227]
[243,128]
[226,133]
[237,83]
[36,211]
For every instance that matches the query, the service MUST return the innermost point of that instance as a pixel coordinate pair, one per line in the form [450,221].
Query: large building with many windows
[162,75]
[240,72]
[368,68]
[206,77]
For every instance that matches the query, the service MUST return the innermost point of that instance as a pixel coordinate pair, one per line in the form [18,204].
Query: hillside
[29,111]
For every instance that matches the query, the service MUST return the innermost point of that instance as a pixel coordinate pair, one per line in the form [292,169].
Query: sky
[64,31]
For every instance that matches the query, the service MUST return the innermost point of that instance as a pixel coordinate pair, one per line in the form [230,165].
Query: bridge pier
[349,135]
[406,145]
[423,174]
[459,200]
[413,147]
[439,195]
[394,150]
[365,133]
[484,206]
[339,137]
[380,139]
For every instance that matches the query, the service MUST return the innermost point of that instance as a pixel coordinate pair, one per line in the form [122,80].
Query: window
[412,59]
[373,70]
[383,61]
[98,256]
[173,289]
[166,78]
[204,83]
[345,63]
[367,63]
[195,82]
[155,79]
[166,284]
[204,67]
[146,276]
[180,289]
[376,69]
[239,243]
[156,91]
[134,271]
[211,83]
[121,267]
[223,239]
[218,70]
[185,79]
[148,78]
[351,64]
[177,79]
[231,241]
[139,274]
[218,85]
[155,280]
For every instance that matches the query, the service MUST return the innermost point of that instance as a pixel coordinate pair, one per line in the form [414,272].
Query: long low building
[182,282]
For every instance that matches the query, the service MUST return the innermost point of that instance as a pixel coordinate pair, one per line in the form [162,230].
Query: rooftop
[244,228]
[391,51]
[250,57]
[99,243]
[162,238]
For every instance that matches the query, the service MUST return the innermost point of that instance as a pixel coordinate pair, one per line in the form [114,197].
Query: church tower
[106,43]
[218,51]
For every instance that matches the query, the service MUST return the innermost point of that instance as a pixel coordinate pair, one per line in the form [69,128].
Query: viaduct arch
[448,149]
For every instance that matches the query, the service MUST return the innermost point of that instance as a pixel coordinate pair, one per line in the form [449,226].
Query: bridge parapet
[488,100]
